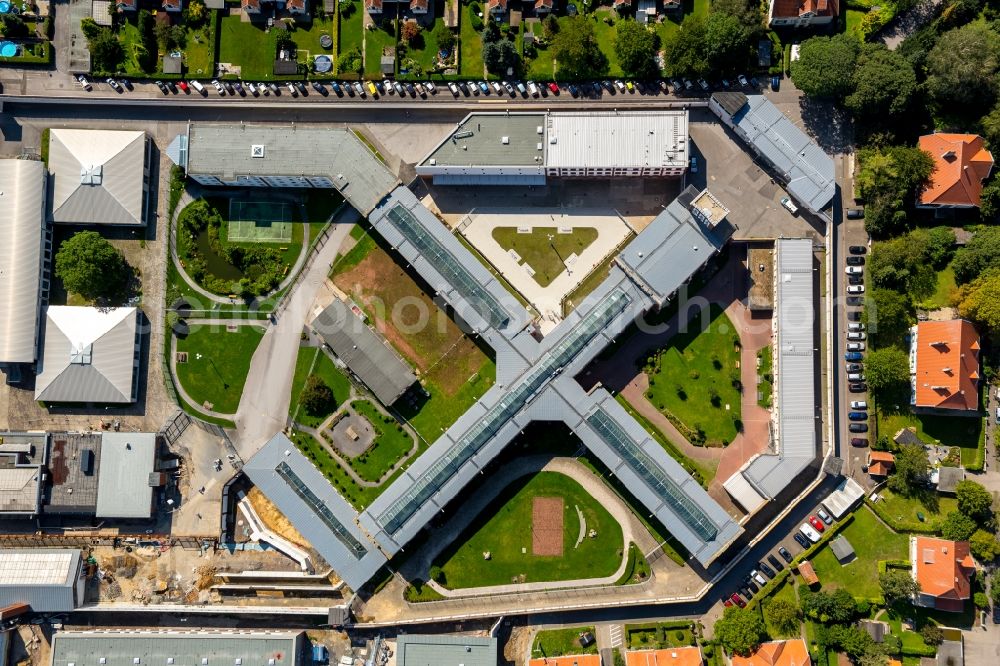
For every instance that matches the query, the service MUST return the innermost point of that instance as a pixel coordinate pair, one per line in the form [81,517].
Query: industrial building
[503,148]
[805,168]
[25,251]
[430,650]
[222,647]
[22,466]
[90,355]
[99,177]
[125,484]
[40,580]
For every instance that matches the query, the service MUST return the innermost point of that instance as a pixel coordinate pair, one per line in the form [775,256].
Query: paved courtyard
[611,229]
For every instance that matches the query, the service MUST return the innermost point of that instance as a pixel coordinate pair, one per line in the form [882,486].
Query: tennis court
[260,221]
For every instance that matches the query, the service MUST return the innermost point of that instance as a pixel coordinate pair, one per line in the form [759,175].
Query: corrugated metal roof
[227,151]
[97,176]
[425,650]
[492,139]
[89,355]
[617,139]
[22,234]
[163,648]
[364,351]
[127,459]
[44,578]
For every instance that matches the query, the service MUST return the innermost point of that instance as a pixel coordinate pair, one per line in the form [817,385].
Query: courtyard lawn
[545,249]
[692,379]
[504,529]
[454,371]
[390,445]
[247,46]
[470,52]
[426,56]
[941,298]
[765,370]
[872,541]
[558,642]
[375,42]
[217,377]
[351,31]
[199,50]
[934,506]
[691,8]
[312,360]
[659,635]
[358,496]
[307,35]
[606,39]
[967,433]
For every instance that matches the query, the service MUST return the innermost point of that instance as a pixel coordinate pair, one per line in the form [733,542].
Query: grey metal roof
[225,151]
[97,176]
[159,648]
[317,511]
[22,463]
[796,401]
[47,579]
[619,139]
[426,650]
[843,498]
[365,352]
[90,355]
[127,459]
[72,490]
[842,548]
[807,169]
[22,244]
[479,141]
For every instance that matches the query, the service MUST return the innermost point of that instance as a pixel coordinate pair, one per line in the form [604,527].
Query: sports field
[259,221]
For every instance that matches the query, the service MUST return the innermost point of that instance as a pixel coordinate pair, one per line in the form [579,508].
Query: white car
[791,207]
[453,88]
[856,289]
[855,326]
[431,88]
[809,533]
[758,578]
[620,86]
[854,270]
[84,83]
[497,88]
[859,404]
[855,346]
[855,377]
[218,87]
[856,335]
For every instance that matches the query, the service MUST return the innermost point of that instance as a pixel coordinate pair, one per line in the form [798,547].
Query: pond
[215,264]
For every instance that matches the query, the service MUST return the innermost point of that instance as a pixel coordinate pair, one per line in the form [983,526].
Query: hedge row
[884,565]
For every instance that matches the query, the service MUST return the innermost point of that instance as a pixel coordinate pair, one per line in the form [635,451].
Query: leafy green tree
[984,546]
[727,43]
[902,264]
[888,316]
[940,246]
[979,301]
[932,634]
[888,181]
[974,501]
[883,84]
[444,36]
[784,615]
[13,26]
[957,526]
[747,13]
[897,585]
[317,397]
[195,13]
[981,253]
[740,631]
[635,46]
[685,51]
[500,56]
[826,65]
[961,69]
[989,198]
[106,53]
[853,641]
[887,369]
[350,62]
[837,606]
[912,470]
[577,52]
[90,266]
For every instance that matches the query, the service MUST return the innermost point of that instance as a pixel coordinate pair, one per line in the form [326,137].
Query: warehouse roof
[127,460]
[337,155]
[22,240]
[97,176]
[74,469]
[207,648]
[43,578]
[619,139]
[22,461]
[492,139]
[424,650]
[365,352]
[89,355]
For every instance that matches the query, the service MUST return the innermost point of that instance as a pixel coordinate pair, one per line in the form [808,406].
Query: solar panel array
[322,512]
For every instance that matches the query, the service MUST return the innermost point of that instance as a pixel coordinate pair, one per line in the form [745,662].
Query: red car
[183,86]
[817,523]
[738,600]
[727,603]
[554,88]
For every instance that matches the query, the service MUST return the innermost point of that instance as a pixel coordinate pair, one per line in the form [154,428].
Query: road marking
[616,636]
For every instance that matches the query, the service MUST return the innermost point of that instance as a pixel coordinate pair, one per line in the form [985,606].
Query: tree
[932,634]
[989,198]
[883,84]
[635,46]
[148,56]
[194,13]
[825,66]
[784,615]
[984,546]
[90,266]
[957,526]
[411,32]
[940,246]
[747,13]
[897,585]
[106,53]
[501,56]
[550,26]
[980,301]
[13,26]
[974,501]
[316,397]
[961,69]
[838,606]
[888,316]
[727,43]
[577,52]
[740,631]
[685,53]
[911,470]
[888,180]
[903,264]
[887,369]
[350,62]
[981,253]
[444,36]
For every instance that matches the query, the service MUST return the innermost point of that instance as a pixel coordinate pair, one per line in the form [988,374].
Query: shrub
[317,398]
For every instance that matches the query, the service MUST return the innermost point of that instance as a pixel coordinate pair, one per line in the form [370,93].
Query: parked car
[858,249]
[749,589]
[274,88]
[484,87]
[854,367]
[533,89]
[854,315]
[688,85]
[185,88]
[620,86]
[775,83]
[855,279]
[743,80]
[859,387]
[320,88]
[791,207]
[824,516]
[677,85]
[775,562]
[411,90]
[854,356]
[703,84]
[857,335]
[432,89]
[785,555]
[854,270]
[360,89]
[400,90]
[801,539]
[163,87]
[727,602]
[736,599]
[694,165]
[817,523]
[855,288]
[858,427]
[239,89]
[855,300]
[126,84]
[768,571]
[574,91]
[855,261]
[859,404]
[857,416]
[453,88]
[855,213]
[337,90]
[521,90]
[808,532]
[760,580]
[172,87]
[509,88]
[859,441]
[200,88]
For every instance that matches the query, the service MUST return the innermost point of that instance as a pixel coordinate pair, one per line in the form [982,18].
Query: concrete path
[263,409]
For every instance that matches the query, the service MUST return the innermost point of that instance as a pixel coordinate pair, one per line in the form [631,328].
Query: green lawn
[247,46]
[872,541]
[443,406]
[358,496]
[375,41]
[692,378]
[659,635]
[854,18]
[765,371]
[218,375]
[932,505]
[786,591]
[426,56]
[504,529]
[691,8]
[557,642]
[131,41]
[606,40]
[470,52]
[351,30]
[312,360]
[545,249]
[307,35]
[390,445]
[941,298]
[966,433]
[199,50]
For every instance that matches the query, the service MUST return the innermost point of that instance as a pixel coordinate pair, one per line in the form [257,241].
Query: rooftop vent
[92,175]
[81,354]
[257,151]
[539,130]
[538,146]
[505,140]
[949,156]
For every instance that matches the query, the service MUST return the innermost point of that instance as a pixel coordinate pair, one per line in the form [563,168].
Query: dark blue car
[854,356]
[857,416]
[775,83]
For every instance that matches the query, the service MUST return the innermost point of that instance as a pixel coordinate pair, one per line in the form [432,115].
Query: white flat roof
[127,459]
[619,139]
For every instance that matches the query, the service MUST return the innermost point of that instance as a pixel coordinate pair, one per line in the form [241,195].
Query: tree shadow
[828,124]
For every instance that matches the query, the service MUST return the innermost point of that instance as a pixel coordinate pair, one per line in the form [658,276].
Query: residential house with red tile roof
[544,6]
[496,7]
[943,569]
[777,653]
[126,5]
[250,6]
[880,463]
[681,656]
[800,13]
[173,5]
[296,6]
[961,164]
[622,4]
[944,365]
